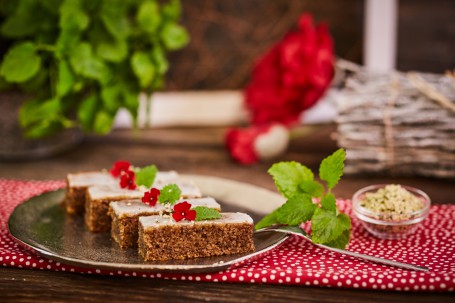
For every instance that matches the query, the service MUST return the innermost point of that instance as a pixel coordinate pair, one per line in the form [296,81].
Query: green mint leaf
[87,111]
[115,19]
[288,176]
[44,128]
[174,36]
[268,220]
[327,226]
[103,122]
[146,176]
[341,241]
[312,188]
[112,97]
[296,210]
[72,15]
[86,64]
[159,58]
[20,63]
[206,213]
[148,16]
[113,51]
[34,111]
[172,10]
[328,203]
[20,21]
[143,68]
[65,78]
[169,194]
[331,168]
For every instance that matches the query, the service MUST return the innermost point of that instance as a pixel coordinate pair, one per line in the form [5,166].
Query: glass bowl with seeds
[390,211]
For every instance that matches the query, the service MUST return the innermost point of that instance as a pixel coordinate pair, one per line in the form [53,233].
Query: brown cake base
[96,215]
[193,240]
[125,230]
[75,200]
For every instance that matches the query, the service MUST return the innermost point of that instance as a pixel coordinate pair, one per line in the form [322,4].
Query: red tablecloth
[296,262]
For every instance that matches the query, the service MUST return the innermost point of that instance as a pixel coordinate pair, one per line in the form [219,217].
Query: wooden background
[227,36]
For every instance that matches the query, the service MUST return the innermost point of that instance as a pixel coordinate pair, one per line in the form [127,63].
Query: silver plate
[42,225]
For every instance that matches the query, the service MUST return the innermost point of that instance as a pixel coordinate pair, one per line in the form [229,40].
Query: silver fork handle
[299,232]
[374,259]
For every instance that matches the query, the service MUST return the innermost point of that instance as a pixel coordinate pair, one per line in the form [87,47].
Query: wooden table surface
[197,151]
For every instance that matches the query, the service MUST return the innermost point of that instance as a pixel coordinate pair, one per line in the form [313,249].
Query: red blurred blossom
[182,211]
[151,197]
[292,75]
[128,180]
[249,145]
[119,167]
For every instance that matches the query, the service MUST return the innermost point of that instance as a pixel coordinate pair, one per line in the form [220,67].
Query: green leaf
[296,210]
[73,15]
[103,122]
[169,194]
[65,79]
[327,226]
[115,19]
[87,111]
[112,97]
[312,188]
[341,241]
[22,22]
[172,10]
[288,176]
[331,168]
[44,128]
[268,220]
[148,16]
[113,51]
[160,60]
[174,36]
[34,111]
[328,203]
[206,213]
[146,176]
[84,63]
[20,63]
[143,68]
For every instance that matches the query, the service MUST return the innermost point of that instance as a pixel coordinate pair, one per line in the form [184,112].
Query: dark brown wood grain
[199,151]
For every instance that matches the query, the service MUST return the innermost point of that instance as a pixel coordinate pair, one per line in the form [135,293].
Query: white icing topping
[90,178]
[114,191]
[151,222]
[131,208]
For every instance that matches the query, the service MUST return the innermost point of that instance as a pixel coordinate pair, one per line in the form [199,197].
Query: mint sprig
[296,183]
[206,213]
[146,175]
[169,194]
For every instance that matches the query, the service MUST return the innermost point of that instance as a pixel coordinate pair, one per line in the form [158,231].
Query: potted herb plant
[77,62]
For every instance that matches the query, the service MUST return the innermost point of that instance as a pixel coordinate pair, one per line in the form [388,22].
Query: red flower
[128,179]
[151,197]
[292,76]
[119,167]
[249,145]
[182,211]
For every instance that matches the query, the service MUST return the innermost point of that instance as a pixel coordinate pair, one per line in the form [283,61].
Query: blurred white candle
[380,35]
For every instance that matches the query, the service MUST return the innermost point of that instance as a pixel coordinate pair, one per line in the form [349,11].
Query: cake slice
[161,238]
[125,216]
[77,185]
[98,198]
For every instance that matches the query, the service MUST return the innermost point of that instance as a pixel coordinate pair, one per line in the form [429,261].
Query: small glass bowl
[381,224]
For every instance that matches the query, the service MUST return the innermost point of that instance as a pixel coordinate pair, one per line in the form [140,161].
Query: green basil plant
[80,61]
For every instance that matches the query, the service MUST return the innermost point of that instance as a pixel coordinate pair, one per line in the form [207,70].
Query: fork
[296,230]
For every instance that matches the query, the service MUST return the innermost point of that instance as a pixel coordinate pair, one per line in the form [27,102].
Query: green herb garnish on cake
[311,200]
